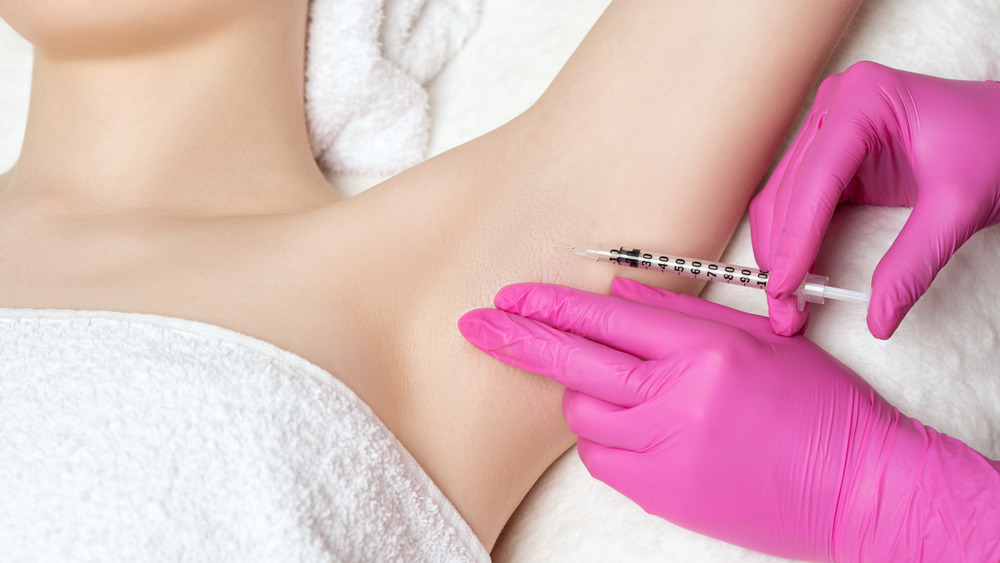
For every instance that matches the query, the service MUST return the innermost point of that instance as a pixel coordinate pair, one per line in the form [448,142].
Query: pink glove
[705,417]
[880,136]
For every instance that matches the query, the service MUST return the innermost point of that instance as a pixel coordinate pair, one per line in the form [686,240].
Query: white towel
[128,437]
[366,66]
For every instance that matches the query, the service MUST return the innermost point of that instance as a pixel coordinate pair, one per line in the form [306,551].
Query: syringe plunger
[816,289]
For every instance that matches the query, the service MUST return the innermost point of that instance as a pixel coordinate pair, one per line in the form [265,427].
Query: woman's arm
[655,134]
[677,108]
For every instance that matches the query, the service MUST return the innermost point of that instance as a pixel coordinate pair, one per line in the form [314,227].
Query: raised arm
[677,109]
[655,133]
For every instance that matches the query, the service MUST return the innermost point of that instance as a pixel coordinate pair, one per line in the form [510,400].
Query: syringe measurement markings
[813,289]
[699,269]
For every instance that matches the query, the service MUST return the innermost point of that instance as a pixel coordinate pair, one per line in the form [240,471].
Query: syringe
[814,288]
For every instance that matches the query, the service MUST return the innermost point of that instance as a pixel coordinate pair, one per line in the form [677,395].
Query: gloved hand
[705,417]
[881,136]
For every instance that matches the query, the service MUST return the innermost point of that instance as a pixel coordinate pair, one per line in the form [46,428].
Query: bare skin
[170,173]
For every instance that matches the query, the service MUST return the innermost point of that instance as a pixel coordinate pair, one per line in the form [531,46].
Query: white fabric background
[942,365]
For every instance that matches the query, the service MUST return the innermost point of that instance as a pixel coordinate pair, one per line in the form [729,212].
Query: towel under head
[367,64]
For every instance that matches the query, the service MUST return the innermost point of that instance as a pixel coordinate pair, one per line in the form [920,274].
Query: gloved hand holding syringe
[813,289]
[665,391]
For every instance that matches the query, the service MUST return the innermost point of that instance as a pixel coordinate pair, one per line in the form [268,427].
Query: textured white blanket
[131,437]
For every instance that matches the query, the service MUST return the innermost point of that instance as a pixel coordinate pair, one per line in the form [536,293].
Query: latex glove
[881,136]
[705,417]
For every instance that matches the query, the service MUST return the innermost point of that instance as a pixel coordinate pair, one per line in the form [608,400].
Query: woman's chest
[258,278]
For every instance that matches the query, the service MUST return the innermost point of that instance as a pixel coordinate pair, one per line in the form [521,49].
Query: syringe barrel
[680,265]
[813,289]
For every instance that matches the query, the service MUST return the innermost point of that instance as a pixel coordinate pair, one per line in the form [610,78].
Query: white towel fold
[367,63]
[130,437]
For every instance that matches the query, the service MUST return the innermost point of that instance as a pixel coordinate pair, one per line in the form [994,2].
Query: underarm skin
[654,135]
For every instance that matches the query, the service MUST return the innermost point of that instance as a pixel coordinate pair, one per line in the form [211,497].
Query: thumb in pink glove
[881,136]
[705,417]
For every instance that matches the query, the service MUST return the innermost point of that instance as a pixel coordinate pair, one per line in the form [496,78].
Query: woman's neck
[213,125]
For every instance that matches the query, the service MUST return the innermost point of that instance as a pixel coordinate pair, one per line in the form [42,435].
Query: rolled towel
[366,66]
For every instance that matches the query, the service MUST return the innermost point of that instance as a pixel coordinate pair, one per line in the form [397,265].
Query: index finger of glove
[574,361]
[642,331]
[767,209]
[814,191]
[785,317]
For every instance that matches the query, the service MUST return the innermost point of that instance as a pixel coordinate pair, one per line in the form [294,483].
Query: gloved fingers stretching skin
[562,356]
[620,324]
[730,430]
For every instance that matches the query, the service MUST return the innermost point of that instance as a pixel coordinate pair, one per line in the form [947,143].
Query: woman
[166,170]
